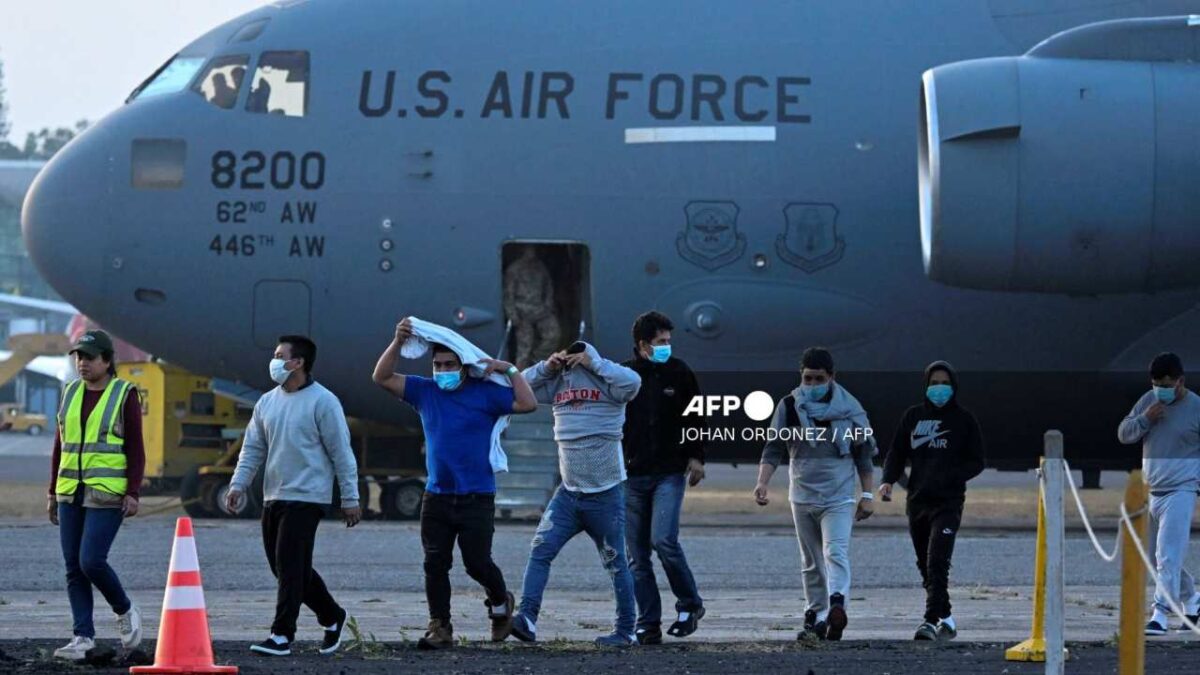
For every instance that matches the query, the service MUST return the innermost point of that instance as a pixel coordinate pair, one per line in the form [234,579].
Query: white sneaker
[129,625]
[76,649]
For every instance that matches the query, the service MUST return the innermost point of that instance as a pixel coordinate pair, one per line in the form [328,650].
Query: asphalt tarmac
[845,658]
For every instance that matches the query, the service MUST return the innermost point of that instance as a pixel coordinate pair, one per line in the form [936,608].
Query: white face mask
[279,371]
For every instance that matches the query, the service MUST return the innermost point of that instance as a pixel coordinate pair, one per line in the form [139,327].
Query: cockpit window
[171,77]
[222,80]
[280,84]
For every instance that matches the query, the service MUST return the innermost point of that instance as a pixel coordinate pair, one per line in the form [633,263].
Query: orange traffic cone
[184,645]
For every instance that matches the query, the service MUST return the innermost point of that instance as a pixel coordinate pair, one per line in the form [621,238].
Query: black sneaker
[926,631]
[687,624]
[273,646]
[649,635]
[333,638]
[523,629]
[1155,628]
[1194,618]
[817,631]
[837,619]
[810,619]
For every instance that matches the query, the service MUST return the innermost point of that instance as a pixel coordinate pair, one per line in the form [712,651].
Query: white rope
[1137,542]
[1108,557]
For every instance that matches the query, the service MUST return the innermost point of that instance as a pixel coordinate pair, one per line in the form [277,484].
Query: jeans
[824,535]
[289,533]
[471,519]
[602,516]
[1172,512]
[933,528]
[652,506]
[86,535]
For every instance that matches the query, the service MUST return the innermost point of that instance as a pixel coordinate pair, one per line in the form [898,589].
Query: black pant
[289,532]
[933,528]
[472,520]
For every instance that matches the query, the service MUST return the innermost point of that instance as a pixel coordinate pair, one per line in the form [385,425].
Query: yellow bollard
[1131,645]
[1034,649]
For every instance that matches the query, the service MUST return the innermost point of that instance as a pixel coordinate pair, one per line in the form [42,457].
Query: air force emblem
[711,239]
[810,240]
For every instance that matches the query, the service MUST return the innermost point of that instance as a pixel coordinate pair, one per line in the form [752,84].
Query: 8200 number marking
[254,170]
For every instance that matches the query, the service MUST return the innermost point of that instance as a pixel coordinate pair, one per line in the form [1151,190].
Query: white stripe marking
[184,597]
[699,134]
[183,555]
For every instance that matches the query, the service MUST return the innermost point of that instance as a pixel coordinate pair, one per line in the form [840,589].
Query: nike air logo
[927,432]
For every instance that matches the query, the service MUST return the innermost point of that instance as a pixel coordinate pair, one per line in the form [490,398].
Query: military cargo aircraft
[1006,184]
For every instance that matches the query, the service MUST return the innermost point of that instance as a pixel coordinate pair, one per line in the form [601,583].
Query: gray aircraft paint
[414,206]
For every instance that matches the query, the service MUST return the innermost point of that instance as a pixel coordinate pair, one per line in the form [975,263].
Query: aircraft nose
[64,221]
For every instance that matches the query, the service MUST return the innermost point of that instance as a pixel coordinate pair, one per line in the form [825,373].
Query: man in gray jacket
[829,438]
[300,430]
[589,394]
[1166,420]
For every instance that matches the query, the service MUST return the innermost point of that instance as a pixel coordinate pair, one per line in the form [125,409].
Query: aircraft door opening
[547,298]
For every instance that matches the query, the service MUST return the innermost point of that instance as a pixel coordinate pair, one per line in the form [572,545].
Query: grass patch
[364,644]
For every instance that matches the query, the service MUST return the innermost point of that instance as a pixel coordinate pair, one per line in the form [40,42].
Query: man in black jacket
[941,440]
[657,459]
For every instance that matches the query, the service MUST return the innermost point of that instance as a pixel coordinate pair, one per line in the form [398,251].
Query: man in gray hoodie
[300,430]
[829,439]
[1166,420]
[589,394]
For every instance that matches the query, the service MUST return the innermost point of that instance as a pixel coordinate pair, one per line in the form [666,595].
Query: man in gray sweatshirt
[300,430]
[589,394]
[829,439]
[1166,420]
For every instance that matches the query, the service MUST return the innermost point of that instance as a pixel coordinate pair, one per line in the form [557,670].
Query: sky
[66,60]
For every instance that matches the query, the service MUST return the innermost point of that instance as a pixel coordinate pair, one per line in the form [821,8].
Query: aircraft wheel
[402,500]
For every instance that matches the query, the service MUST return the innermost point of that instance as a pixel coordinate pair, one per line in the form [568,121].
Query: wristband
[512,370]
[868,496]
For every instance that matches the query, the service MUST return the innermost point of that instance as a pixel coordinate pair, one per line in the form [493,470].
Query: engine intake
[1072,169]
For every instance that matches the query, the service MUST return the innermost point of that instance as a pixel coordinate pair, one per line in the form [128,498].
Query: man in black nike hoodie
[942,442]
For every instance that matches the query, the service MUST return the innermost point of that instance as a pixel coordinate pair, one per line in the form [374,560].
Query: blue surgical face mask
[660,353]
[448,381]
[1165,394]
[939,394]
[279,371]
[814,392]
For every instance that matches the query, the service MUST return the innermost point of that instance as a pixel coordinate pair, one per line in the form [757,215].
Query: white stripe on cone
[184,597]
[183,555]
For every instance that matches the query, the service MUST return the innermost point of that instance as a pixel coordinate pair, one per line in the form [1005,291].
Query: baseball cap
[93,343]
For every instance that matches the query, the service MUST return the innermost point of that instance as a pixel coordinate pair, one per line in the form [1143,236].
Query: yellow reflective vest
[94,455]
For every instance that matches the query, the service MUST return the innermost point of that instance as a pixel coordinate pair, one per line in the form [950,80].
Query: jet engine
[1074,168]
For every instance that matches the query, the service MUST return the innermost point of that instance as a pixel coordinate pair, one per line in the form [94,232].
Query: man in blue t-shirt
[458,414]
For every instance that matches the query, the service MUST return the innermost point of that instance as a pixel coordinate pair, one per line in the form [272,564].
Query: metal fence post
[1054,474]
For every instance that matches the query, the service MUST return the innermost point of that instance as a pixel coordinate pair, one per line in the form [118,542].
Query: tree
[45,143]
[38,145]
[7,150]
